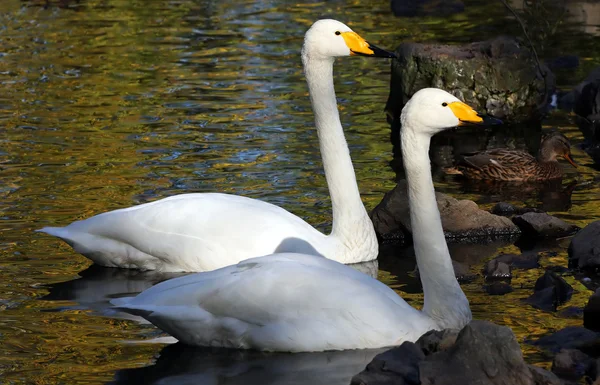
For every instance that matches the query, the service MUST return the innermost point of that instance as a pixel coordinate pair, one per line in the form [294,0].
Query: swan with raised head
[297,302]
[206,231]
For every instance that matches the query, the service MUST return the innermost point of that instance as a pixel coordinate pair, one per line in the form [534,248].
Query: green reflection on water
[110,103]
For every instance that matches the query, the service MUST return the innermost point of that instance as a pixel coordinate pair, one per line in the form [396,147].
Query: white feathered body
[205,231]
[282,302]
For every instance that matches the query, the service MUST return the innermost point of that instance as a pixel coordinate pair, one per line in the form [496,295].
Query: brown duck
[512,165]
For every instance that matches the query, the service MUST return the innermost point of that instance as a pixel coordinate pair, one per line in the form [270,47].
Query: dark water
[109,103]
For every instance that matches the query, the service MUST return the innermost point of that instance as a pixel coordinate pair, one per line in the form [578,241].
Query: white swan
[200,232]
[296,302]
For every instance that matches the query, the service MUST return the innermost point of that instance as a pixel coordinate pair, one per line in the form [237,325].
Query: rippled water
[109,103]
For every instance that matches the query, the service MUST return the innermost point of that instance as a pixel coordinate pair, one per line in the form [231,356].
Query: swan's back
[283,302]
[191,232]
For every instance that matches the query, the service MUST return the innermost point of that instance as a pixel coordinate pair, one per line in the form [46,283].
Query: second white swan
[201,232]
[296,302]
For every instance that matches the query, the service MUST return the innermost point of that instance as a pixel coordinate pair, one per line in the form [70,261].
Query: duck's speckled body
[513,165]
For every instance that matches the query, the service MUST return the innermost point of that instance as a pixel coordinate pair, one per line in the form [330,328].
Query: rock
[496,269]
[543,225]
[591,312]
[411,8]
[520,261]
[567,338]
[484,353]
[572,364]
[518,93]
[460,219]
[584,250]
[481,353]
[550,292]
[544,377]
[398,366]
[437,340]
[498,288]
[571,312]
[506,209]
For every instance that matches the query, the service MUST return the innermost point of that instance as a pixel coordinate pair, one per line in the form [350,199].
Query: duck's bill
[467,115]
[359,46]
[568,158]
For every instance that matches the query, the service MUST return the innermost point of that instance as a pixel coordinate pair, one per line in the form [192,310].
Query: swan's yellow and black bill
[568,158]
[465,113]
[359,46]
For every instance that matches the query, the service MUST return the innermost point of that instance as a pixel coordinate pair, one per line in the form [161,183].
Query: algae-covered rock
[499,77]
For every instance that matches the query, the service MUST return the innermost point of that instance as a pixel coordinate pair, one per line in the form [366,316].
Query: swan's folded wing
[274,298]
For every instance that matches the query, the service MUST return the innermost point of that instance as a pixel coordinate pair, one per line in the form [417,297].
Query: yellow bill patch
[357,44]
[464,113]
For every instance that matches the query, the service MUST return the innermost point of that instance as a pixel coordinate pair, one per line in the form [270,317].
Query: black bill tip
[490,121]
[377,52]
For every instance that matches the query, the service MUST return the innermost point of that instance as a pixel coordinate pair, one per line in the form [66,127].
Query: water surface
[110,103]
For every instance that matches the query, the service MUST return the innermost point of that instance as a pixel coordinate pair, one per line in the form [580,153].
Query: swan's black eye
[338,33]
[444,104]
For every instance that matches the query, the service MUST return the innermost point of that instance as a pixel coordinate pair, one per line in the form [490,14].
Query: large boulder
[483,354]
[584,250]
[461,219]
[518,93]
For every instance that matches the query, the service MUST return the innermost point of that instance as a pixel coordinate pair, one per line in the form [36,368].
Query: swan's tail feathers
[123,304]
[55,231]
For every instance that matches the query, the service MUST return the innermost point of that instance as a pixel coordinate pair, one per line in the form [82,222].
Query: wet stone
[567,338]
[481,353]
[498,288]
[543,225]
[496,269]
[551,291]
[584,250]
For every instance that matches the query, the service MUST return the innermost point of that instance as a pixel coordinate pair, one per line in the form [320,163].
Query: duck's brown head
[555,145]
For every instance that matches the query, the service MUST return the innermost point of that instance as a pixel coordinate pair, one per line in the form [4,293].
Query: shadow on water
[181,364]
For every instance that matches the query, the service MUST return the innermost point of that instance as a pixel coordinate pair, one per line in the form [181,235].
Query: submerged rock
[483,353]
[567,338]
[461,219]
[498,288]
[551,291]
[506,209]
[520,261]
[584,250]
[543,225]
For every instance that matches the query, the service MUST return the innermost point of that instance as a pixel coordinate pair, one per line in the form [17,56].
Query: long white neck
[444,300]
[350,218]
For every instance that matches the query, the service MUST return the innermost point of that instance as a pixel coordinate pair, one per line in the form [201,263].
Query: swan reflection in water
[181,364]
[97,285]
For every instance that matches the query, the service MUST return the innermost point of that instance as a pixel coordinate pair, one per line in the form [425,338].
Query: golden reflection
[108,103]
